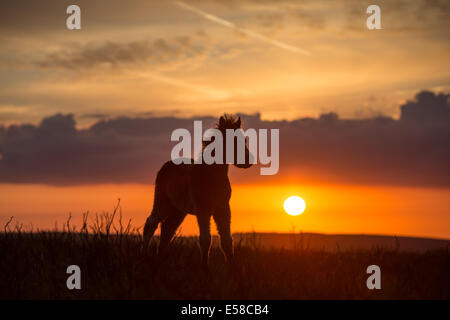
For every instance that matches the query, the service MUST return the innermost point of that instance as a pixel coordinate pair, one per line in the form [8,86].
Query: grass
[33,266]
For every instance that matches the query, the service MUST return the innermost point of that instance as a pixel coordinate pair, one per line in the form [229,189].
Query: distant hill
[335,242]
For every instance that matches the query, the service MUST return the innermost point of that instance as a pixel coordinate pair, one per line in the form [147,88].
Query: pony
[203,190]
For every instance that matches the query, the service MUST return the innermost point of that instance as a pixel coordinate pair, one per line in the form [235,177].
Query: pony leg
[205,237]
[161,210]
[168,228]
[223,219]
[149,229]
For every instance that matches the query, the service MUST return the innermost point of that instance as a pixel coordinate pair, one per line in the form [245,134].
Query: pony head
[228,121]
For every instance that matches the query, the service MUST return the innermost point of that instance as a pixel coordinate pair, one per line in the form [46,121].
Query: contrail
[210,92]
[250,33]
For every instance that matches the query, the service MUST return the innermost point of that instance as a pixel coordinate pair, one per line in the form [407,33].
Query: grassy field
[33,266]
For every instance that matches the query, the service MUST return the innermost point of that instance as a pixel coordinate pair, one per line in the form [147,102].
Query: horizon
[54,204]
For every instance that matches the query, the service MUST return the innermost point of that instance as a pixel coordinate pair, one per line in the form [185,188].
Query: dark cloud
[117,150]
[428,107]
[411,151]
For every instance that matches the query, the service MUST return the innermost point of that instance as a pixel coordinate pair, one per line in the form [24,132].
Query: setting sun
[294,205]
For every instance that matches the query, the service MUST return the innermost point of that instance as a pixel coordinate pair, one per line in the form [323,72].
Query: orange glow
[331,208]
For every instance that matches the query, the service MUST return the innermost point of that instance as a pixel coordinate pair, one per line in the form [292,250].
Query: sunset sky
[363,115]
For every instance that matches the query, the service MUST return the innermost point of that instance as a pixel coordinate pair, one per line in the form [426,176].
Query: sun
[294,205]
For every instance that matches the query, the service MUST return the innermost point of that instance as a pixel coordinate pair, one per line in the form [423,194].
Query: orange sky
[330,208]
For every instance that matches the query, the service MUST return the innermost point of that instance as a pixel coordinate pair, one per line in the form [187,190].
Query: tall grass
[33,266]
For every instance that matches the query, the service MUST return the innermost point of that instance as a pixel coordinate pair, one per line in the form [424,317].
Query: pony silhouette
[203,190]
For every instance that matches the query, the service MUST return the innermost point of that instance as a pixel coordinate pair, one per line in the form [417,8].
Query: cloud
[48,16]
[117,150]
[131,58]
[427,107]
[154,53]
[412,151]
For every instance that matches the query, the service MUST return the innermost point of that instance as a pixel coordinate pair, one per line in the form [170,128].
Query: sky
[139,57]
[363,114]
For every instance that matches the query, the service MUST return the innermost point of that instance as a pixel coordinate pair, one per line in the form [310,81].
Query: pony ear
[239,122]
[221,122]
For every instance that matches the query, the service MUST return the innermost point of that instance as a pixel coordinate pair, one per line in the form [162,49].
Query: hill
[336,242]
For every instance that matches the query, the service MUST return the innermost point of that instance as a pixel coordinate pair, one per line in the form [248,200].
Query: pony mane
[228,121]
